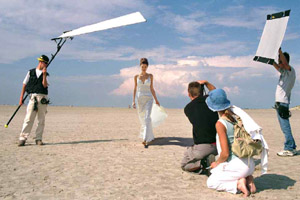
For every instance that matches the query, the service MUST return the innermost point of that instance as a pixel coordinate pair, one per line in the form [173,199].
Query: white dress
[144,103]
[225,176]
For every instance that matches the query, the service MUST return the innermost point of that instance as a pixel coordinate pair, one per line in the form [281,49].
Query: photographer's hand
[207,84]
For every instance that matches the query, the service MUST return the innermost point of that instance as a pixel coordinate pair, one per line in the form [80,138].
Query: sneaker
[295,151]
[21,143]
[286,153]
[39,142]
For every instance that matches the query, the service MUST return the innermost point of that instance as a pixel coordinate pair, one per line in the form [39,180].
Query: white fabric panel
[272,37]
[125,20]
[158,115]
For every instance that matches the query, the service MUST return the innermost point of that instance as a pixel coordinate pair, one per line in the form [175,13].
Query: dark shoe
[145,144]
[200,170]
[210,159]
[206,162]
[39,142]
[21,143]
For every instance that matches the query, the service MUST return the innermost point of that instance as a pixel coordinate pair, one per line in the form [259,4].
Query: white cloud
[160,54]
[15,47]
[217,48]
[291,36]
[220,77]
[171,80]
[232,16]
[232,90]
[219,61]
[188,24]
[190,61]
[68,14]
[229,61]
[243,17]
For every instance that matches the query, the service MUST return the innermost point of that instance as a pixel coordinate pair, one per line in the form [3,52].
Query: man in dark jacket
[204,131]
[36,85]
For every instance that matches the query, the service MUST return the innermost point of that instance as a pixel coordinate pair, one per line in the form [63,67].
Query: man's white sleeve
[26,78]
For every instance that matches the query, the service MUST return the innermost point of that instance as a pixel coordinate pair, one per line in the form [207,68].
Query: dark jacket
[35,85]
[203,121]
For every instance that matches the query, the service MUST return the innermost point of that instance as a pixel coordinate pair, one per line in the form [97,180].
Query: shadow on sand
[273,181]
[184,142]
[85,142]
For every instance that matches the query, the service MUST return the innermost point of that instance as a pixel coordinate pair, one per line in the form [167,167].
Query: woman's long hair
[229,114]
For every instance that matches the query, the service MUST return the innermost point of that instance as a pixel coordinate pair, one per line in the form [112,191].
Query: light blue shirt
[230,137]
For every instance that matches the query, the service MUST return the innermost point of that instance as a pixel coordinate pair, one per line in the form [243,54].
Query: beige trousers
[30,116]
[194,154]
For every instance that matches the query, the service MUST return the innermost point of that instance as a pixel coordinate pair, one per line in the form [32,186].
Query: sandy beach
[95,153]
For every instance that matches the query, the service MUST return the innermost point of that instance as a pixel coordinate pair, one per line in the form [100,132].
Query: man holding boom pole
[36,85]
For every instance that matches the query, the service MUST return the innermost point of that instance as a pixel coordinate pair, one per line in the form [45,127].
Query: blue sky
[183,40]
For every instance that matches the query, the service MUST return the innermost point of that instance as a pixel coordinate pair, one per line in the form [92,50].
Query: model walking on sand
[143,89]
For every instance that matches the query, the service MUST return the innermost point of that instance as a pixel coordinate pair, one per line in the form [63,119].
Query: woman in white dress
[144,91]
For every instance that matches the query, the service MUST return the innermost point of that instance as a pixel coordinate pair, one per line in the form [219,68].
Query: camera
[45,101]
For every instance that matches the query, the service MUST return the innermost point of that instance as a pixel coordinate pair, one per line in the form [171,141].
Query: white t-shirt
[38,74]
[285,85]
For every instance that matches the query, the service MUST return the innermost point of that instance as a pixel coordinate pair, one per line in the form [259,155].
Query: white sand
[95,153]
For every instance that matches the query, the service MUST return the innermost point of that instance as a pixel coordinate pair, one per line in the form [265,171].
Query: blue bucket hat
[217,100]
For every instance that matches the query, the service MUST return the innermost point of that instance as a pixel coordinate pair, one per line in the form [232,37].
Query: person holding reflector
[36,85]
[283,97]
[271,40]
[143,87]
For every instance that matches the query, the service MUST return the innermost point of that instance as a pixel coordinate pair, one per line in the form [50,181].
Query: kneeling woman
[143,85]
[229,173]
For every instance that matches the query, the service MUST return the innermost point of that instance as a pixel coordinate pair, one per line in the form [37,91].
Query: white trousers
[30,116]
[144,111]
[226,175]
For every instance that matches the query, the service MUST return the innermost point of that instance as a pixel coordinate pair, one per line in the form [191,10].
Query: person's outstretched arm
[45,82]
[221,130]
[207,84]
[153,91]
[276,66]
[134,91]
[284,61]
[22,94]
